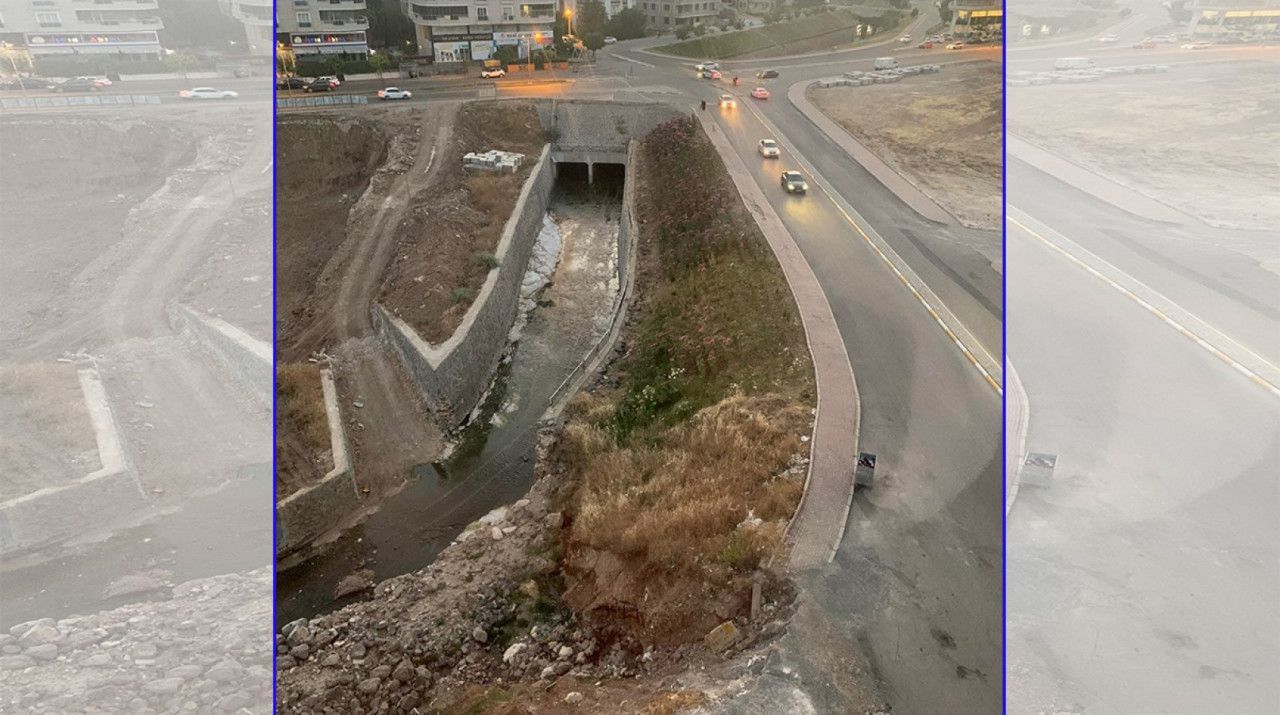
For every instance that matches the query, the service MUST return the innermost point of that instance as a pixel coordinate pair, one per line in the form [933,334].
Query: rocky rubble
[205,650]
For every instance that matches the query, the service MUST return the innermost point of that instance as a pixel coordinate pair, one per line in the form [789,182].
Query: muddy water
[493,463]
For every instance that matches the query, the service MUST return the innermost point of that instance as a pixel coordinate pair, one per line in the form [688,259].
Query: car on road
[331,80]
[703,67]
[793,182]
[955,45]
[292,83]
[768,148]
[77,84]
[98,82]
[320,85]
[609,40]
[1109,38]
[394,93]
[26,83]
[1147,44]
[208,93]
[1197,45]
[493,73]
[727,101]
[926,45]
[1163,39]
[905,39]
[767,74]
[760,93]
[711,74]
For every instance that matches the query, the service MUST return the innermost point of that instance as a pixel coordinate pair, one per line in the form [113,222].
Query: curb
[818,527]
[1017,416]
[826,53]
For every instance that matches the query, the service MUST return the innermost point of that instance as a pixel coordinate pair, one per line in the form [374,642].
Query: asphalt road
[1144,580]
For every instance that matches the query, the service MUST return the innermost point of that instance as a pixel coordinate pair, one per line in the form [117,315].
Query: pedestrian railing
[329,100]
[76,101]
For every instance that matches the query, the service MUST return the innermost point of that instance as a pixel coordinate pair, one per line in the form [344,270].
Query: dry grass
[46,437]
[303,452]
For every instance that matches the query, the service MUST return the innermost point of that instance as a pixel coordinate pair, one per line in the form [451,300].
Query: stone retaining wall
[85,506]
[454,375]
[248,358]
[309,512]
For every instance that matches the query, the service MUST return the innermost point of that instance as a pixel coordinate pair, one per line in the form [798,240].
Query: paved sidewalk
[901,186]
[818,526]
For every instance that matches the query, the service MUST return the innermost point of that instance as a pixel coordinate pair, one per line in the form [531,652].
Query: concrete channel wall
[248,358]
[454,375]
[309,512]
[82,507]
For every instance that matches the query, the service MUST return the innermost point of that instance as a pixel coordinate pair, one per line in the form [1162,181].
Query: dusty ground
[942,131]
[47,438]
[1201,137]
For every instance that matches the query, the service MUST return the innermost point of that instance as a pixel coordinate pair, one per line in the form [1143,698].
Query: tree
[560,28]
[591,20]
[506,54]
[628,24]
[682,32]
[380,63]
[944,10]
[699,29]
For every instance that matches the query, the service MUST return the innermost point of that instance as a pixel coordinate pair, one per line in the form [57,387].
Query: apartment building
[667,15]
[122,29]
[1213,18]
[258,18]
[465,30]
[311,29]
[984,18]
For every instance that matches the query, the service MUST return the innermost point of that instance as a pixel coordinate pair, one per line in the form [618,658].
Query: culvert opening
[594,181]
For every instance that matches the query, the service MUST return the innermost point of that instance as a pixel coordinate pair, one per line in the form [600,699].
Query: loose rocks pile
[204,651]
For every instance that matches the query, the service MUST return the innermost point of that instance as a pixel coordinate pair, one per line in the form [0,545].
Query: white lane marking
[1204,344]
[893,260]
[624,58]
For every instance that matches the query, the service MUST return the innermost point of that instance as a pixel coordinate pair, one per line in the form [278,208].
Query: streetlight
[568,18]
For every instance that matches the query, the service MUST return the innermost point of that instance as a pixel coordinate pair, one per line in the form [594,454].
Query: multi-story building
[977,17]
[258,18]
[122,29]
[313,29]
[464,30]
[1223,17]
[667,15]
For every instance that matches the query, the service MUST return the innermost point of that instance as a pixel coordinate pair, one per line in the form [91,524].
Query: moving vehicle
[610,39]
[955,45]
[320,85]
[79,84]
[1073,63]
[292,83]
[768,148]
[793,182]
[703,67]
[904,39]
[926,45]
[727,101]
[760,93]
[98,82]
[1197,45]
[1109,38]
[394,93]
[208,93]
[492,73]
[767,74]
[334,81]
[711,74]
[884,63]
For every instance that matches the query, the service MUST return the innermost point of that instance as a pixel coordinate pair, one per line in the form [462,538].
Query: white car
[727,101]
[1109,38]
[955,46]
[98,82]
[394,93]
[768,148]
[904,39]
[707,66]
[494,73]
[208,93]
[1197,45]
[610,40]
[333,81]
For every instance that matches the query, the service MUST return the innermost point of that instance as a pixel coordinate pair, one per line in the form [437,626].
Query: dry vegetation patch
[46,437]
[303,452]
[437,273]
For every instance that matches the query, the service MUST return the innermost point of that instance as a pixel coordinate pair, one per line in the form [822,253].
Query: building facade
[312,30]
[462,31]
[258,18]
[119,29]
[667,15]
[1213,18]
[978,18]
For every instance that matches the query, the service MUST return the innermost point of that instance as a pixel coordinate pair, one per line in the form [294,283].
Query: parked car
[711,74]
[333,81]
[727,101]
[793,182]
[760,93]
[609,40]
[78,84]
[955,45]
[27,83]
[767,74]
[208,93]
[926,45]
[493,73]
[292,83]
[394,93]
[768,148]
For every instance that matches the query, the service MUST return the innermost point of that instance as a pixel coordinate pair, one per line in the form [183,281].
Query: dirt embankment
[447,241]
[48,439]
[942,131]
[666,490]
[1201,137]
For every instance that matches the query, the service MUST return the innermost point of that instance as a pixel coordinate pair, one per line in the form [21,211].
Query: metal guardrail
[77,101]
[323,101]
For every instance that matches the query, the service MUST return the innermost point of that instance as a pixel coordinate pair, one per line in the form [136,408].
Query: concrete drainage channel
[505,371]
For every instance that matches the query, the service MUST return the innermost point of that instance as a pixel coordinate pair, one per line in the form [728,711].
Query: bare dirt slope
[942,131]
[1208,134]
